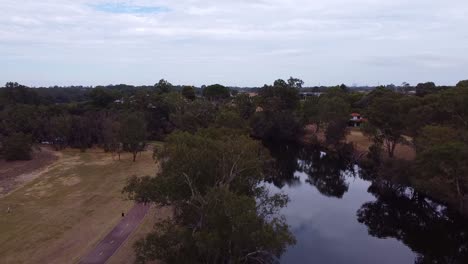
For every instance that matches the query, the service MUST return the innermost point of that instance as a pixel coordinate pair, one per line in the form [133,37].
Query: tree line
[215,156]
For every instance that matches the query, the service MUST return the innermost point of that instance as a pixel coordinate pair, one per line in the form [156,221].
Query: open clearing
[63,213]
[14,174]
[362,144]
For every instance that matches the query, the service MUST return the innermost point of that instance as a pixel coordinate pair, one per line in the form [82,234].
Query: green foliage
[369,98]
[17,146]
[333,109]
[279,97]
[190,116]
[281,126]
[230,119]
[386,116]
[216,92]
[446,164]
[163,86]
[59,130]
[244,105]
[462,84]
[431,136]
[222,214]
[278,120]
[133,133]
[423,89]
[188,92]
[336,132]
[20,119]
[295,83]
[311,110]
[451,105]
[102,97]
[15,93]
[111,135]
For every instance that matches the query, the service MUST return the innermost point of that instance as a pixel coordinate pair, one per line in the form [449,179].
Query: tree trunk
[390,148]
[460,195]
[134,156]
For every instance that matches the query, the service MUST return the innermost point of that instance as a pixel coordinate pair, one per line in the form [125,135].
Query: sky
[235,43]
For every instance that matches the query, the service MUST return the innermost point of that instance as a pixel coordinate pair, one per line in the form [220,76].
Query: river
[338,217]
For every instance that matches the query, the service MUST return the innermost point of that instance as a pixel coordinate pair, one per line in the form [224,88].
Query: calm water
[337,217]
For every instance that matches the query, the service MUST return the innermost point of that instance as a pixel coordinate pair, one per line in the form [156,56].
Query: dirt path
[109,245]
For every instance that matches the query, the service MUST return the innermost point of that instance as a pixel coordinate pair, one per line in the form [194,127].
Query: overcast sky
[233,42]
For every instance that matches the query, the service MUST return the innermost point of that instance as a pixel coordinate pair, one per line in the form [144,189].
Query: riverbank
[362,143]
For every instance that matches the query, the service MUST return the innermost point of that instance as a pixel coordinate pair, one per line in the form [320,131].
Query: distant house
[356,120]
[305,95]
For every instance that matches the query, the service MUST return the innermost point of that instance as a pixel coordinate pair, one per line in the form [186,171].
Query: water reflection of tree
[284,165]
[326,173]
[429,229]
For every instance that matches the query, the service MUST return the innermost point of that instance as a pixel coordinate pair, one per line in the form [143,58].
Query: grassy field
[362,144]
[59,216]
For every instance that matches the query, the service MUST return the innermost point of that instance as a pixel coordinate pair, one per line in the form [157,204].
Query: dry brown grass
[14,174]
[362,144]
[59,216]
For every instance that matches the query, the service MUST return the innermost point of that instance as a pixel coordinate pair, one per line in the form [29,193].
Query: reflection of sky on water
[327,230]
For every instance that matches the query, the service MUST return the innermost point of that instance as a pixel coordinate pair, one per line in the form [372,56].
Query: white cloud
[242,42]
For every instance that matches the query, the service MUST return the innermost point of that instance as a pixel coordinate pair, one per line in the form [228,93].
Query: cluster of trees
[222,214]
[117,118]
[437,120]
[98,116]
[283,115]
[69,126]
[434,121]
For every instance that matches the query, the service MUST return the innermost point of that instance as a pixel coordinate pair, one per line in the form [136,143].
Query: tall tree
[133,133]
[163,86]
[216,92]
[188,92]
[17,146]
[423,89]
[333,109]
[295,83]
[279,96]
[221,213]
[462,84]
[244,105]
[447,163]
[386,121]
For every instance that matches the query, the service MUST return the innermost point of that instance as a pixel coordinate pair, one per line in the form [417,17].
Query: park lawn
[65,212]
